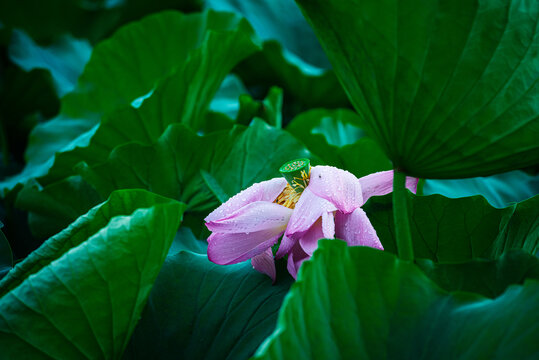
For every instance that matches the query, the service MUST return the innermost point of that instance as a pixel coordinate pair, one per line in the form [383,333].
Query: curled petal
[265,264]
[225,249]
[338,186]
[309,208]
[263,191]
[286,245]
[295,258]
[356,229]
[322,229]
[257,216]
[381,183]
[309,241]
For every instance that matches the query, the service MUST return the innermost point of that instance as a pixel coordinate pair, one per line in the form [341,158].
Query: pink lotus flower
[249,224]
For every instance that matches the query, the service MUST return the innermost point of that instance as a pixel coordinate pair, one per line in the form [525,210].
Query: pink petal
[264,263]
[356,229]
[225,249]
[256,216]
[286,244]
[309,241]
[328,225]
[308,209]
[381,183]
[263,191]
[337,186]
[295,258]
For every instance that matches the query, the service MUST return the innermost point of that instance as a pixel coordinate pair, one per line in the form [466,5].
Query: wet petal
[263,191]
[381,183]
[356,229]
[286,244]
[295,258]
[265,264]
[256,216]
[328,225]
[309,241]
[308,209]
[225,249]
[337,186]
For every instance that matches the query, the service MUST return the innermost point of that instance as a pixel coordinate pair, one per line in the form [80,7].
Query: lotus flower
[249,224]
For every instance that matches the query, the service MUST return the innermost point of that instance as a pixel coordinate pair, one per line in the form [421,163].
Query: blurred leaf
[337,138]
[198,309]
[86,301]
[269,109]
[25,97]
[489,278]
[358,302]
[304,87]
[180,79]
[449,230]
[226,99]
[449,89]
[65,58]
[185,240]
[93,20]
[279,20]
[6,257]
[500,190]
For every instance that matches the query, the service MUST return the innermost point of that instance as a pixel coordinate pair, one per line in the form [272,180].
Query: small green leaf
[86,298]
[358,302]
[449,89]
[198,309]
[449,230]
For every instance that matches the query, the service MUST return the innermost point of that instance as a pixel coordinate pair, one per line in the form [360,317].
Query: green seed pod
[296,173]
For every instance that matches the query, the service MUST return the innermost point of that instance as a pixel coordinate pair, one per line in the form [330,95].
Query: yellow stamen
[288,198]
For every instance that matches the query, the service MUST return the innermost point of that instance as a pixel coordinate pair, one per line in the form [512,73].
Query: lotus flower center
[288,198]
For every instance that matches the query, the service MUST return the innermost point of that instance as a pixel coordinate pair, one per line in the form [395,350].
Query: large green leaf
[121,202]
[449,89]
[198,309]
[84,302]
[500,190]
[336,136]
[358,302]
[255,155]
[459,229]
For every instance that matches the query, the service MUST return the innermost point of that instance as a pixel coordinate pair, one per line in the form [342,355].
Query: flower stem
[400,217]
